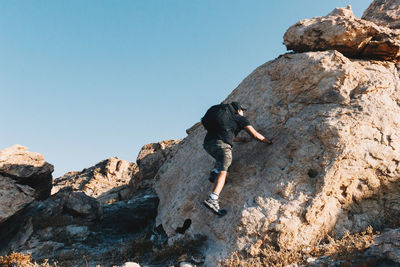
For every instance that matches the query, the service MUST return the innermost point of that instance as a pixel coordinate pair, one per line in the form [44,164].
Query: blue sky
[82,81]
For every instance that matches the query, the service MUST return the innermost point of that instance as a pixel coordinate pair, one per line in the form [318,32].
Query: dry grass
[180,250]
[263,253]
[348,245]
[166,255]
[17,259]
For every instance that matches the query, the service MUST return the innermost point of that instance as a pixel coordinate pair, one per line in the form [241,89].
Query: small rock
[130,264]
[80,204]
[309,260]
[185,264]
[77,232]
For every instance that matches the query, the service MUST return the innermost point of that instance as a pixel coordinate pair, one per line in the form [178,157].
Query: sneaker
[213,205]
[213,176]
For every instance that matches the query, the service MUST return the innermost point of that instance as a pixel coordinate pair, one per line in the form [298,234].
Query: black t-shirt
[236,123]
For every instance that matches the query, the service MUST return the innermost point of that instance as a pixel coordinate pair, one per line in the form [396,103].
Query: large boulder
[107,180]
[24,177]
[13,197]
[384,13]
[27,168]
[333,167]
[340,30]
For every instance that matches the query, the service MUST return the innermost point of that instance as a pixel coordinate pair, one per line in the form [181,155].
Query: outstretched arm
[241,139]
[256,135]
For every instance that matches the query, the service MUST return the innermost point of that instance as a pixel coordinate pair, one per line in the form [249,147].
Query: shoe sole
[220,213]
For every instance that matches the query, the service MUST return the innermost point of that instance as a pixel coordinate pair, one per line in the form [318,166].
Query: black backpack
[217,118]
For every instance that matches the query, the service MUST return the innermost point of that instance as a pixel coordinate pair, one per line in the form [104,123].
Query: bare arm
[256,135]
[241,139]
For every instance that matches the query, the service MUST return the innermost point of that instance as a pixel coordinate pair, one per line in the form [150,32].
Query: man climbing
[223,122]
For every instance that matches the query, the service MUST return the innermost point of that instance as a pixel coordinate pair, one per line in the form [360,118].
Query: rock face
[342,31]
[384,13]
[151,157]
[13,197]
[106,181]
[333,167]
[59,209]
[387,244]
[24,177]
[75,230]
[27,168]
[115,179]
[93,215]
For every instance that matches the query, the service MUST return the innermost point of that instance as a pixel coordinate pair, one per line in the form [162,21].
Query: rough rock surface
[24,177]
[13,197]
[75,230]
[59,208]
[115,179]
[72,227]
[384,13]
[333,167]
[28,168]
[151,157]
[341,30]
[106,181]
[387,244]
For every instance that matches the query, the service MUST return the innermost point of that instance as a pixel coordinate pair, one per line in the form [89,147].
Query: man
[223,123]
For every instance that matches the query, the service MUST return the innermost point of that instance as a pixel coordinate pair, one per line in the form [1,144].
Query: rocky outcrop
[107,180]
[13,197]
[24,177]
[93,216]
[60,209]
[27,168]
[333,167]
[386,245]
[340,30]
[151,157]
[115,179]
[384,13]
[75,230]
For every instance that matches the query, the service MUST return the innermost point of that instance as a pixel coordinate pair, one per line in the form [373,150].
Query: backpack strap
[232,109]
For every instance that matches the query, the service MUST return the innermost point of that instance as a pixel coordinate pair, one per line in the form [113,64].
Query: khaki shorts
[221,152]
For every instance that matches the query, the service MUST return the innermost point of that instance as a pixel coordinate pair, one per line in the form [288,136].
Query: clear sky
[82,81]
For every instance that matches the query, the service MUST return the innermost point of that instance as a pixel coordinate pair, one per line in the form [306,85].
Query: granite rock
[107,180]
[333,167]
[387,245]
[27,168]
[151,157]
[384,13]
[13,197]
[340,30]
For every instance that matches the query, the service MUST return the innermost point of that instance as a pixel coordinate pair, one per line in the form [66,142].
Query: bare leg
[220,182]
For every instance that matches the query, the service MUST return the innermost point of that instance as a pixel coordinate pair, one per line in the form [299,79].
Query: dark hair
[237,106]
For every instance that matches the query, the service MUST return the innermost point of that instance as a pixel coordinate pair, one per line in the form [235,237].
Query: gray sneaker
[213,205]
